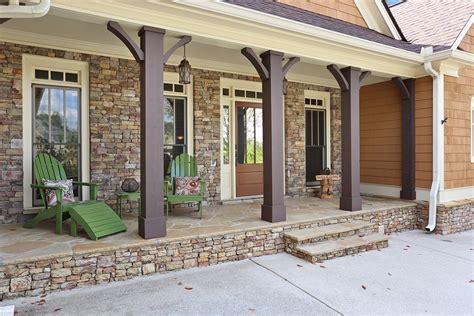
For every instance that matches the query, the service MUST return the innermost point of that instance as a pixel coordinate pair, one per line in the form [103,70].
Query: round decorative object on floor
[130,185]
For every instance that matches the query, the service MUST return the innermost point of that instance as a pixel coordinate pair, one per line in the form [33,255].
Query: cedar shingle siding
[345,10]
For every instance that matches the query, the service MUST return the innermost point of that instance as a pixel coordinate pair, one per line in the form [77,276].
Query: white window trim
[472,129]
[173,77]
[30,62]
[326,97]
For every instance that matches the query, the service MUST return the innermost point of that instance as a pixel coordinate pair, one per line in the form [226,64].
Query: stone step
[317,252]
[299,236]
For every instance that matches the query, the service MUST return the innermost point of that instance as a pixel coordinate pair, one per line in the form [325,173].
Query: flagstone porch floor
[18,244]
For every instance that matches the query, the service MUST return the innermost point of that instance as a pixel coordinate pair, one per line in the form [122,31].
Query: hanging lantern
[184,70]
[285,86]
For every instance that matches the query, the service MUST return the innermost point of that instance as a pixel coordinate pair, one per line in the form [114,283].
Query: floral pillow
[186,185]
[68,194]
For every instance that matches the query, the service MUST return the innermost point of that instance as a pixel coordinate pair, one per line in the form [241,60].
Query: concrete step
[335,230]
[317,252]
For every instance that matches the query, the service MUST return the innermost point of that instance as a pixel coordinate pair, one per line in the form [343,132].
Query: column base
[154,227]
[351,203]
[273,213]
[408,194]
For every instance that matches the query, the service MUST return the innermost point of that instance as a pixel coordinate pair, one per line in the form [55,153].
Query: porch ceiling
[80,32]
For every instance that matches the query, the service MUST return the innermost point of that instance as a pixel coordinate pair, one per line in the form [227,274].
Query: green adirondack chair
[95,217]
[183,166]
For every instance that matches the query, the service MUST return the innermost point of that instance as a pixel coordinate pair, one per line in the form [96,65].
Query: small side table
[121,196]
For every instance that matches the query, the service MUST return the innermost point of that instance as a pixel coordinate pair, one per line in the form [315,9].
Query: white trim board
[456,194]
[391,191]
[29,63]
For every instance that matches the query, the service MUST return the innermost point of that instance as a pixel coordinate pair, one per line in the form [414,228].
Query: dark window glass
[307,101]
[250,94]
[57,75]
[320,102]
[249,135]
[240,93]
[175,142]
[313,101]
[315,131]
[168,87]
[56,129]
[70,77]
[41,74]
[178,88]
[226,91]
[259,95]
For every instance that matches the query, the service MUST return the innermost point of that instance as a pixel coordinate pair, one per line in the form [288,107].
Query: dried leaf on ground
[180,283]
[364,287]
[299,265]
[57,309]
[321,266]
[188,288]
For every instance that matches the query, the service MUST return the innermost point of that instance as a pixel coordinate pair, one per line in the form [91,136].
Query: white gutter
[14,10]
[438,140]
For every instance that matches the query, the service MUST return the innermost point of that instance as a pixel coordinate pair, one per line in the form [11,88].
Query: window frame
[326,106]
[29,64]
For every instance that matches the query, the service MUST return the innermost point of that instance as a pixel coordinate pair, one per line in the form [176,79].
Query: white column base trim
[391,191]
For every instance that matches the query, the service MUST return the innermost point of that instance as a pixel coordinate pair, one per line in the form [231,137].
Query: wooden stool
[327,182]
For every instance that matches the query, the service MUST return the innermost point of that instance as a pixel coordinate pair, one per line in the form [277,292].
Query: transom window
[56,128]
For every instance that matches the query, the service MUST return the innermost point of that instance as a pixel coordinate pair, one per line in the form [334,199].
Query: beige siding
[380,134]
[424,131]
[458,169]
[467,43]
[380,120]
[344,10]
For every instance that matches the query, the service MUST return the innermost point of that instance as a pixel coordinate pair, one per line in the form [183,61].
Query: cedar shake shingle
[328,23]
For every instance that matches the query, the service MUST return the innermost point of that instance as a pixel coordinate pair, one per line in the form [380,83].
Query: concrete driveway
[417,274]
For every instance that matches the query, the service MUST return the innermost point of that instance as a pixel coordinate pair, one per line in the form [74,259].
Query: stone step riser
[341,252]
[291,244]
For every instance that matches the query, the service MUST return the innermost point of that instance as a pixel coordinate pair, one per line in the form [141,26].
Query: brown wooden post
[407,93]
[349,80]
[272,73]
[152,220]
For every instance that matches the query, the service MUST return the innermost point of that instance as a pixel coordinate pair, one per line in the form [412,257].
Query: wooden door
[249,149]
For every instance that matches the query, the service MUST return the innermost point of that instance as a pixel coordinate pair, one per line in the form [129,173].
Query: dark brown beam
[151,222]
[271,73]
[341,81]
[407,93]
[3,20]
[118,31]
[183,41]
[290,63]
[349,79]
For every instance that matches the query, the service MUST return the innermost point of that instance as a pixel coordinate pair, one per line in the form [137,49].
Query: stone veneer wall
[114,125]
[295,155]
[451,217]
[45,275]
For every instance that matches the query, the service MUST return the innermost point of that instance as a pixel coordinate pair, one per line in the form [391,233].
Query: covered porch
[221,224]
[259,59]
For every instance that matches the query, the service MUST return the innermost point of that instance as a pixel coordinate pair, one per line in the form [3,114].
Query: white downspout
[438,139]
[14,10]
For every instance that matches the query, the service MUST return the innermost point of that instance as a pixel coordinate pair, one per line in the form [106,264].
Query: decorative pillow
[68,194]
[186,185]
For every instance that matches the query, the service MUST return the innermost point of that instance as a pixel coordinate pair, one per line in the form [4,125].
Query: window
[56,128]
[472,129]
[391,3]
[315,143]
[55,75]
[175,141]
[249,135]
[226,135]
